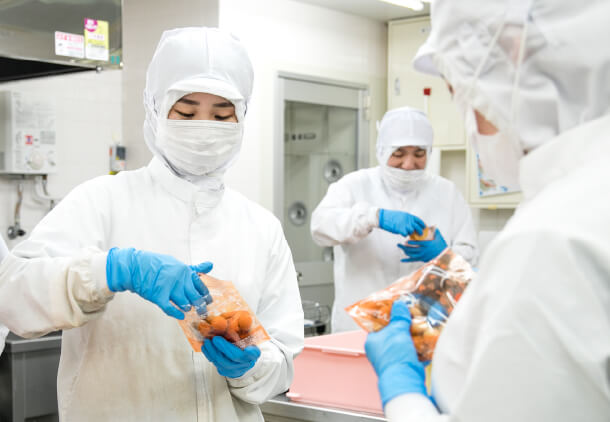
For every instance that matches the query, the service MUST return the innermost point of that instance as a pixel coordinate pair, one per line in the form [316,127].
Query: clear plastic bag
[431,293]
[228,316]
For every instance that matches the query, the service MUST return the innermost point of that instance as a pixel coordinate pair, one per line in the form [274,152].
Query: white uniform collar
[203,199]
[566,153]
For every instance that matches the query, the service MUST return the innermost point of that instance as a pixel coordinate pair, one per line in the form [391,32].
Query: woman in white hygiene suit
[530,338]
[122,358]
[368,213]
[3,329]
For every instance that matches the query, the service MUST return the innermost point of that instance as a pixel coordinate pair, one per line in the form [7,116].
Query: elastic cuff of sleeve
[373,217]
[85,282]
[98,272]
[367,218]
[250,375]
[413,406]
[269,354]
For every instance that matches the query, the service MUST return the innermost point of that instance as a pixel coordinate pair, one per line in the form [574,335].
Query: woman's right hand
[400,222]
[160,279]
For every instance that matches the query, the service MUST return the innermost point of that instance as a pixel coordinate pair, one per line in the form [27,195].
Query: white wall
[143,23]
[285,35]
[88,114]
[489,223]
[92,107]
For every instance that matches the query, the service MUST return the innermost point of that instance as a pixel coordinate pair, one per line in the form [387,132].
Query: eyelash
[189,115]
[417,155]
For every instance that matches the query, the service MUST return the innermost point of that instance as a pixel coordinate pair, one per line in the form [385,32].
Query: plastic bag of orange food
[431,293]
[228,316]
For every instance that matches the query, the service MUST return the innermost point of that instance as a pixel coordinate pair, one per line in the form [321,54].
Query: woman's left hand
[230,360]
[392,354]
[424,250]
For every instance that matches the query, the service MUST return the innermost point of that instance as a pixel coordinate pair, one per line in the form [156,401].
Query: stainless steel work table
[282,409]
[28,378]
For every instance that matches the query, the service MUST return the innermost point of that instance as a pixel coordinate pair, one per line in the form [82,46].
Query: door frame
[362,145]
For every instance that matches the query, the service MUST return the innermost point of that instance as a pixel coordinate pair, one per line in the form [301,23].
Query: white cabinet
[406,88]
[509,200]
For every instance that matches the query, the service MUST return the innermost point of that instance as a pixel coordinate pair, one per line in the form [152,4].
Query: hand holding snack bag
[431,293]
[228,316]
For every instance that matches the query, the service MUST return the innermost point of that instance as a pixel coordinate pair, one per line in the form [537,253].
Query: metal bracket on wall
[15,230]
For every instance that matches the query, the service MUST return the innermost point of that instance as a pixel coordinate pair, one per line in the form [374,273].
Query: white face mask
[402,180]
[199,147]
[498,155]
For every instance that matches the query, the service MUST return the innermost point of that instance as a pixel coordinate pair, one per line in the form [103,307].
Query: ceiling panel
[372,9]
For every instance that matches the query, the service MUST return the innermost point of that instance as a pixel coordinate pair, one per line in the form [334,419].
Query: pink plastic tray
[333,371]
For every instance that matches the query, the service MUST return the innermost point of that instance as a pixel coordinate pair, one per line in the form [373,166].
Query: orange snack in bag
[428,233]
[228,316]
[205,329]
[218,323]
[245,322]
[423,236]
[431,293]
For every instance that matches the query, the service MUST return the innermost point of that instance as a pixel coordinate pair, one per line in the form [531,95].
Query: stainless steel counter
[16,344]
[28,378]
[282,409]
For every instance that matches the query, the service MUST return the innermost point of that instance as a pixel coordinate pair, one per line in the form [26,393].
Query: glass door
[323,136]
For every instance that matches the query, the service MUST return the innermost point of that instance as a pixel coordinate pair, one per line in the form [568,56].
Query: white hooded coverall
[530,339]
[122,358]
[3,329]
[366,257]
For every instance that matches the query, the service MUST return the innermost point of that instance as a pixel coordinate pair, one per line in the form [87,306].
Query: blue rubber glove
[424,250]
[159,279]
[399,222]
[230,360]
[392,354]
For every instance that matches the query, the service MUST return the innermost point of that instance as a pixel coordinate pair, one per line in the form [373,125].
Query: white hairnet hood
[541,66]
[195,59]
[402,127]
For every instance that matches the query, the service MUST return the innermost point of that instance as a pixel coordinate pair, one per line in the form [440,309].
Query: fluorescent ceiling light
[411,4]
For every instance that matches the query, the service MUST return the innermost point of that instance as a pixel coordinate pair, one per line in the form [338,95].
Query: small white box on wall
[27,134]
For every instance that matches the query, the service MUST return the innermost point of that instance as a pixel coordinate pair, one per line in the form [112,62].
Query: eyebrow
[225,104]
[187,101]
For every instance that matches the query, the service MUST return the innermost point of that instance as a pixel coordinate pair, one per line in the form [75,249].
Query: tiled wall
[88,116]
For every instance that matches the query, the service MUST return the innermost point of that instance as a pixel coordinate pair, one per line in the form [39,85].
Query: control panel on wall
[27,134]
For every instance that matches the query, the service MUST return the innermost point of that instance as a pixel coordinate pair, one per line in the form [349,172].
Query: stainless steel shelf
[282,409]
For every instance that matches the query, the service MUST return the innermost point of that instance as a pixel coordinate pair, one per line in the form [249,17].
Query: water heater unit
[27,134]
